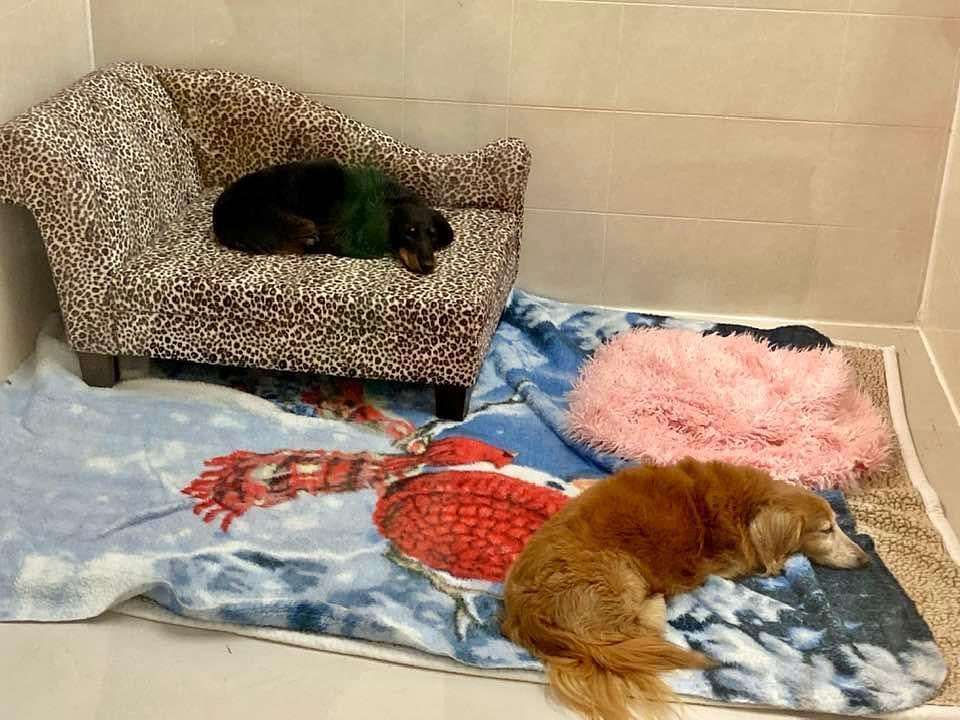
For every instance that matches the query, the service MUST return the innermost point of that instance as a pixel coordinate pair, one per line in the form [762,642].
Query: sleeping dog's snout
[419,261]
[827,544]
[854,556]
[416,233]
[862,559]
[845,553]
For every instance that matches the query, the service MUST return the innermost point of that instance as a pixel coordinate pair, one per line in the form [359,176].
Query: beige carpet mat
[890,508]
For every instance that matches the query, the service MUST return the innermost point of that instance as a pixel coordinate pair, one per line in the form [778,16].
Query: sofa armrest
[103,166]
[495,176]
[62,199]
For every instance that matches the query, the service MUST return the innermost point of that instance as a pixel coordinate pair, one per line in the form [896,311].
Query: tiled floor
[118,667]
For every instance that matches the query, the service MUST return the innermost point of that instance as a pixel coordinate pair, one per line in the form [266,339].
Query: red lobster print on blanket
[462,524]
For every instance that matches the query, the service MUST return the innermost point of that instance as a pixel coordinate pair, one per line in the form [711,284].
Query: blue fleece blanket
[324,506]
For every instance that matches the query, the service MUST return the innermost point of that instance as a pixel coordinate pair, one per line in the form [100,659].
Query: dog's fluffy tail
[609,680]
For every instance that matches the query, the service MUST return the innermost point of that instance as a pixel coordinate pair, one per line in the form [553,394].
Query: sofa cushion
[345,311]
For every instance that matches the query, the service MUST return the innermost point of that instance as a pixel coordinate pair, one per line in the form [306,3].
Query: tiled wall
[44,45]
[940,312]
[774,157]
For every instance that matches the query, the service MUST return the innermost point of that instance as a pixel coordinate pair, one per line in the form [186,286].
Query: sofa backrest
[103,165]
[238,124]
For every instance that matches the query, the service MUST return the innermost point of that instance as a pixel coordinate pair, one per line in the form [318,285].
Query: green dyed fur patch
[364,221]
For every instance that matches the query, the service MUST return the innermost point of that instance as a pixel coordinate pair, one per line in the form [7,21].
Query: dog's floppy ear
[444,231]
[396,194]
[775,533]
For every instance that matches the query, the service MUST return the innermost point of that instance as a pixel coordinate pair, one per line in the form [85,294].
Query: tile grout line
[758,319]
[603,258]
[301,61]
[403,70]
[703,218]
[941,377]
[642,113]
[945,177]
[706,5]
[513,24]
[605,225]
[843,64]
[608,192]
[507,105]
[195,43]
[90,45]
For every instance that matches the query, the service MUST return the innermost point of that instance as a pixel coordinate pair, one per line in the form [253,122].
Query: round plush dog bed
[658,395]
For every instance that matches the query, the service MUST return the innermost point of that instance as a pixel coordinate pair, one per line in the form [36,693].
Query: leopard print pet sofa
[121,171]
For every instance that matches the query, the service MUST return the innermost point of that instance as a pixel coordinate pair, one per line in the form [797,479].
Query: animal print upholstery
[238,123]
[405,324]
[121,171]
[103,165]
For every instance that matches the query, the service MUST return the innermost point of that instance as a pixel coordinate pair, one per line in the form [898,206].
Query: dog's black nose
[427,265]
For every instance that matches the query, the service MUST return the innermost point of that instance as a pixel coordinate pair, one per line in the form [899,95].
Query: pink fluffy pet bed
[661,395]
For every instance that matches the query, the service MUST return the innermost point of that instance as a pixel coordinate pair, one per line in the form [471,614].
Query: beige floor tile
[457,50]
[225,32]
[548,65]
[43,48]
[945,347]
[770,170]
[947,240]
[756,260]
[571,156]
[384,114]
[935,8]
[899,70]
[642,264]
[668,165]
[850,175]
[694,60]
[562,255]
[353,47]
[674,265]
[941,308]
[721,168]
[868,275]
[148,32]
[56,32]
[880,177]
[445,127]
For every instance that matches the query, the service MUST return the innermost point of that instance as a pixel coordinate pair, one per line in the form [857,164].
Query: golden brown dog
[586,595]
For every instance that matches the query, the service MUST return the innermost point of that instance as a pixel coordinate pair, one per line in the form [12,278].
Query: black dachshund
[321,206]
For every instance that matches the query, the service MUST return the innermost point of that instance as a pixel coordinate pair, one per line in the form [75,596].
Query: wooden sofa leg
[452,401]
[99,370]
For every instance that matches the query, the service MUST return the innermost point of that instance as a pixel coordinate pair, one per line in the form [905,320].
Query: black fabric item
[793,337]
